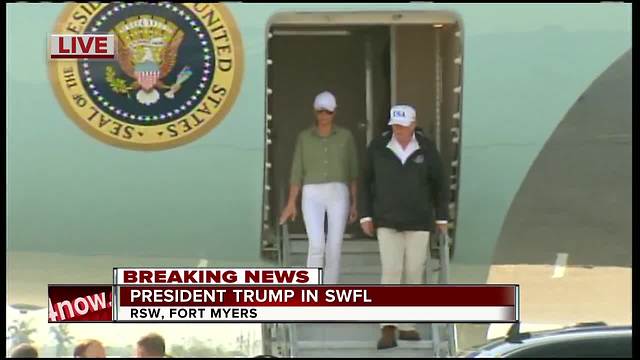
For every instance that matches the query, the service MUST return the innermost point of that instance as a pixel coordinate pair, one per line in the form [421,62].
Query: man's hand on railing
[367,227]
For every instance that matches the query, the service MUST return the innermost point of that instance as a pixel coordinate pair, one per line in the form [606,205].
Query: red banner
[326,295]
[80,303]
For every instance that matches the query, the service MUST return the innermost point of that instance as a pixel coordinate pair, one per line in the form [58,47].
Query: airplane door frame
[392,19]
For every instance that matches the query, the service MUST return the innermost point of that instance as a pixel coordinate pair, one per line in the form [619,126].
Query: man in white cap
[325,166]
[402,186]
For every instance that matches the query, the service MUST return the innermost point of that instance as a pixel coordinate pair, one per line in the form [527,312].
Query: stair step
[353,261]
[370,269]
[360,279]
[360,345]
[359,332]
[358,340]
[355,246]
[367,353]
[327,349]
[358,246]
[345,259]
[371,279]
[350,270]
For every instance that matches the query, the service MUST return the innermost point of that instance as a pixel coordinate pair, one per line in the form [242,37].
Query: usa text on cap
[402,115]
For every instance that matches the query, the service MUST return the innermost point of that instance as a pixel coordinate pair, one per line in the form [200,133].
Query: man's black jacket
[403,197]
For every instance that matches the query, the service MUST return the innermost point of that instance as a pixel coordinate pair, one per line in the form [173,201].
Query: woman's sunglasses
[324,111]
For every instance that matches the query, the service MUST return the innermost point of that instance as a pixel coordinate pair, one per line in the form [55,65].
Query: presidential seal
[177,72]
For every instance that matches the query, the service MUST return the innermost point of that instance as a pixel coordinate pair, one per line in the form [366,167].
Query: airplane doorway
[310,61]
[369,61]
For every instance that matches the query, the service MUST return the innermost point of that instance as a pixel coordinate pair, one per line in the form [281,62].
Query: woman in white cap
[325,167]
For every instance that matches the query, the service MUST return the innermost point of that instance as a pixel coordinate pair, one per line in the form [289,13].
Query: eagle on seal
[146,70]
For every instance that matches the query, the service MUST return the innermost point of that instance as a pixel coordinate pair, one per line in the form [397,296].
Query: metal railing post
[444,244]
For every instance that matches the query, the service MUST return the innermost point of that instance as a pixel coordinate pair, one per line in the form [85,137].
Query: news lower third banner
[183,295]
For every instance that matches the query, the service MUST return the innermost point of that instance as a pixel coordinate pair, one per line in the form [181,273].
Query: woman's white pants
[332,199]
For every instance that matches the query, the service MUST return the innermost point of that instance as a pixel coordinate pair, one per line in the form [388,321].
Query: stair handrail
[285,250]
[284,332]
[444,244]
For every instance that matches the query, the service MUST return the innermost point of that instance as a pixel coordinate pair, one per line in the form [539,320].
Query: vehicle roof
[506,345]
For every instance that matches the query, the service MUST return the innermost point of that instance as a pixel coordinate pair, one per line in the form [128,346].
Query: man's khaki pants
[403,251]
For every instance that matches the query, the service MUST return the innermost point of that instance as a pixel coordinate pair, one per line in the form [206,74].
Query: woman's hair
[81,348]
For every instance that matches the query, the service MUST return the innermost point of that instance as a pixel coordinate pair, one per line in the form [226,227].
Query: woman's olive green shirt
[323,159]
